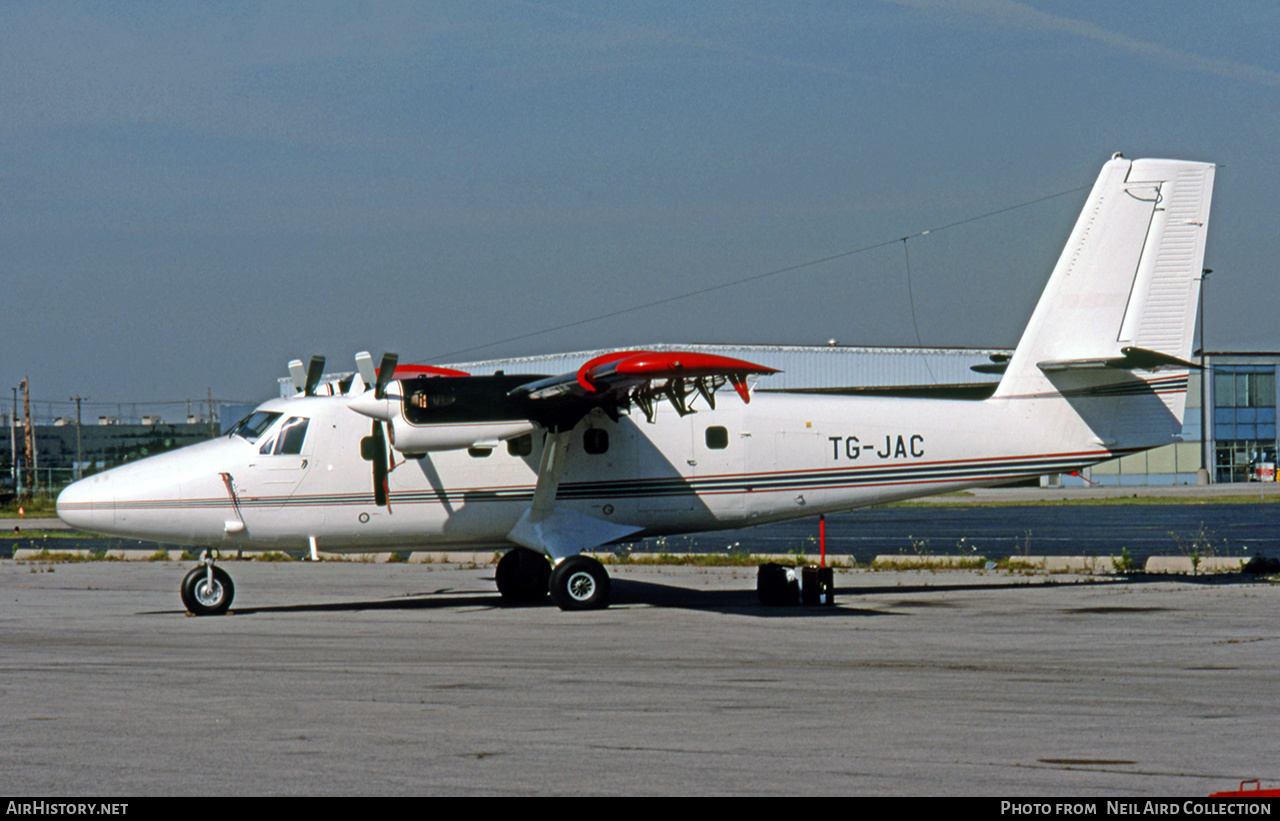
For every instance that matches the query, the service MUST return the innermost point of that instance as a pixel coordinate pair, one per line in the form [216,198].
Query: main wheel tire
[204,599]
[580,583]
[522,576]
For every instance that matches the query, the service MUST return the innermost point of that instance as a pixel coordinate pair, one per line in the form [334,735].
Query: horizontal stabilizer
[1133,359]
[999,364]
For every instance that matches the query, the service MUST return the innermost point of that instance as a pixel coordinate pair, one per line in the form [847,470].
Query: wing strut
[555,530]
[550,467]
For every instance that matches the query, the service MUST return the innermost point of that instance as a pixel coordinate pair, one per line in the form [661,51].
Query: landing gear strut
[522,576]
[207,590]
[580,583]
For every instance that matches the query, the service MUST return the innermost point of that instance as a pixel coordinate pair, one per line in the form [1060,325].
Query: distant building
[105,441]
[107,444]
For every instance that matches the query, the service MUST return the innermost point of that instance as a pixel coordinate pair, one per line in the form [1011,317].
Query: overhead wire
[758,277]
[911,298]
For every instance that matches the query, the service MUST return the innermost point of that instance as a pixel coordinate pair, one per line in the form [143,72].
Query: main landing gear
[207,590]
[576,583]
[522,576]
[580,583]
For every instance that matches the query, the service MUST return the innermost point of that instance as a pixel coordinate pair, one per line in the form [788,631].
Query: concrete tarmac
[361,679]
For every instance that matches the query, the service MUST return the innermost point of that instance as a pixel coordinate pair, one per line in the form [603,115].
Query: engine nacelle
[426,414]
[407,437]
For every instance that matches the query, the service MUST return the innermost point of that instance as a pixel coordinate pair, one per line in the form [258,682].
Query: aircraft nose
[87,504]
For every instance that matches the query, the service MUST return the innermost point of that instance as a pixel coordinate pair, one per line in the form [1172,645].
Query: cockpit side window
[253,425]
[292,434]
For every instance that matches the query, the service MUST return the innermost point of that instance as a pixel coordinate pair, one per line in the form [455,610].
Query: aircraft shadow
[625,592]
[417,601]
[738,602]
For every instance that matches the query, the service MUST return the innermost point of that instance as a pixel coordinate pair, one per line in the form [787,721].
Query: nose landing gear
[207,590]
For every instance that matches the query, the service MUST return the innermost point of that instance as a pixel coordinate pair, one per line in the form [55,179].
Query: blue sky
[193,194]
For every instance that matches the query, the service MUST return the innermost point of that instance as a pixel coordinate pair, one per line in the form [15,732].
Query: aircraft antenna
[911,298]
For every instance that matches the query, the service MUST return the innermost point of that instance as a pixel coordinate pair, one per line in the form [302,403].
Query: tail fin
[1123,296]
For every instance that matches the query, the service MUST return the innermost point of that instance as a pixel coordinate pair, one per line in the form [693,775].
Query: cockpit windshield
[252,426]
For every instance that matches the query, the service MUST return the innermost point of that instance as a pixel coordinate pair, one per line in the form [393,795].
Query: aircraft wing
[645,377]
[432,411]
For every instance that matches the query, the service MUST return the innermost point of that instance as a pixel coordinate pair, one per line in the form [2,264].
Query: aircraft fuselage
[780,457]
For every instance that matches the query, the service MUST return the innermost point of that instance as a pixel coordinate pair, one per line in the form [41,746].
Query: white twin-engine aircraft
[548,467]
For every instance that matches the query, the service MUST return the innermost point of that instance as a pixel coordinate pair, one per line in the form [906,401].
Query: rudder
[1123,295]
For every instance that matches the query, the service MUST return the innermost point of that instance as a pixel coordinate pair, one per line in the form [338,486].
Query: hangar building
[1240,394]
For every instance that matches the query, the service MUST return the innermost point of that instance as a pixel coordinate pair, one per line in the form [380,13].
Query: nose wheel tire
[522,576]
[580,583]
[203,598]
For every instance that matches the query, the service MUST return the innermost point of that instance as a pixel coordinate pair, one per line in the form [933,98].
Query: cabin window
[595,441]
[717,438]
[292,433]
[521,445]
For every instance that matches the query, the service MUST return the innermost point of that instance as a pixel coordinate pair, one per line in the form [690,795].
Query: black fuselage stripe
[929,473]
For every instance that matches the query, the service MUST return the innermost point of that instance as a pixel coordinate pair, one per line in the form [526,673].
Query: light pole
[79,471]
[13,445]
[1204,477]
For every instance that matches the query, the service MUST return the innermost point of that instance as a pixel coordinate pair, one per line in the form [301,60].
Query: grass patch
[718,560]
[1198,545]
[931,563]
[44,534]
[1101,500]
[39,507]
[47,556]
[273,556]
[683,559]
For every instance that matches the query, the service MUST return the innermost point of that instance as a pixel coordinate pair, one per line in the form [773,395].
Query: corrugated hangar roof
[802,367]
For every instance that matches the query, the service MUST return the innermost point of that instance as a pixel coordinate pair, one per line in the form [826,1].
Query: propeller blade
[298,374]
[379,465]
[364,365]
[314,372]
[374,448]
[386,372]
